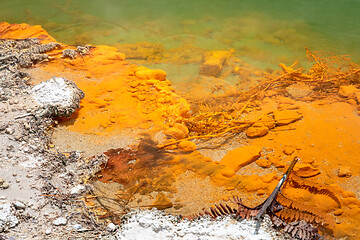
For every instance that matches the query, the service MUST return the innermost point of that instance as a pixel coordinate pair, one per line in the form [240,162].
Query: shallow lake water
[262,33]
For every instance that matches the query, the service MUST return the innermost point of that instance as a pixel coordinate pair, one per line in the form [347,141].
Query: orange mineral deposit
[238,158]
[118,95]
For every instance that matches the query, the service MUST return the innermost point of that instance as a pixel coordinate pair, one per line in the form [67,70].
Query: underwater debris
[214,62]
[218,113]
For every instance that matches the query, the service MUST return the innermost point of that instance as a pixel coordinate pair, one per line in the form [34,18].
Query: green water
[261,32]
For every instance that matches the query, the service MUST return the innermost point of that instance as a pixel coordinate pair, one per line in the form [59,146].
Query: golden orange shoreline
[120,95]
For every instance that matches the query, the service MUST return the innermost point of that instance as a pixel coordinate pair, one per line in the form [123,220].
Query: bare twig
[269,202]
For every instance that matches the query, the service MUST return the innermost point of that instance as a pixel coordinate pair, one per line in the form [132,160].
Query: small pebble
[17,137]
[10,147]
[3,126]
[9,130]
[26,149]
[3,184]
[77,190]
[288,150]
[18,205]
[344,171]
[60,221]
[77,226]
[48,231]
[111,227]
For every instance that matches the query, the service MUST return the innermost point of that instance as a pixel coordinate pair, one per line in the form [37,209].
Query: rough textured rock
[278,163]
[257,131]
[145,73]
[298,90]
[7,217]
[348,91]
[306,170]
[111,227]
[174,133]
[187,146]
[60,221]
[3,184]
[267,121]
[264,163]
[288,150]
[162,202]
[69,53]
[58,96]
[344,171]
[286,116]
[77,190]
[214,62]
[19,205]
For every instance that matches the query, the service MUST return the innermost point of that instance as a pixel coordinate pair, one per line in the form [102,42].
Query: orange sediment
[119,95]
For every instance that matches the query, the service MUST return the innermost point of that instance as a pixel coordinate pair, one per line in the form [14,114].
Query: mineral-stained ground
[136,142]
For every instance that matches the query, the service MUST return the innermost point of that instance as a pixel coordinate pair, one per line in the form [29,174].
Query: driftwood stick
[272,197]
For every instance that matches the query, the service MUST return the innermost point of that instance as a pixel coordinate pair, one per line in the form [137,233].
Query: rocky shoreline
[39,190]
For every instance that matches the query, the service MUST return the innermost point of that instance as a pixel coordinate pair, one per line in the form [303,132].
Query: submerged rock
[298,90]
[348,91]
[214,62]
[58,97]
[145,74]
